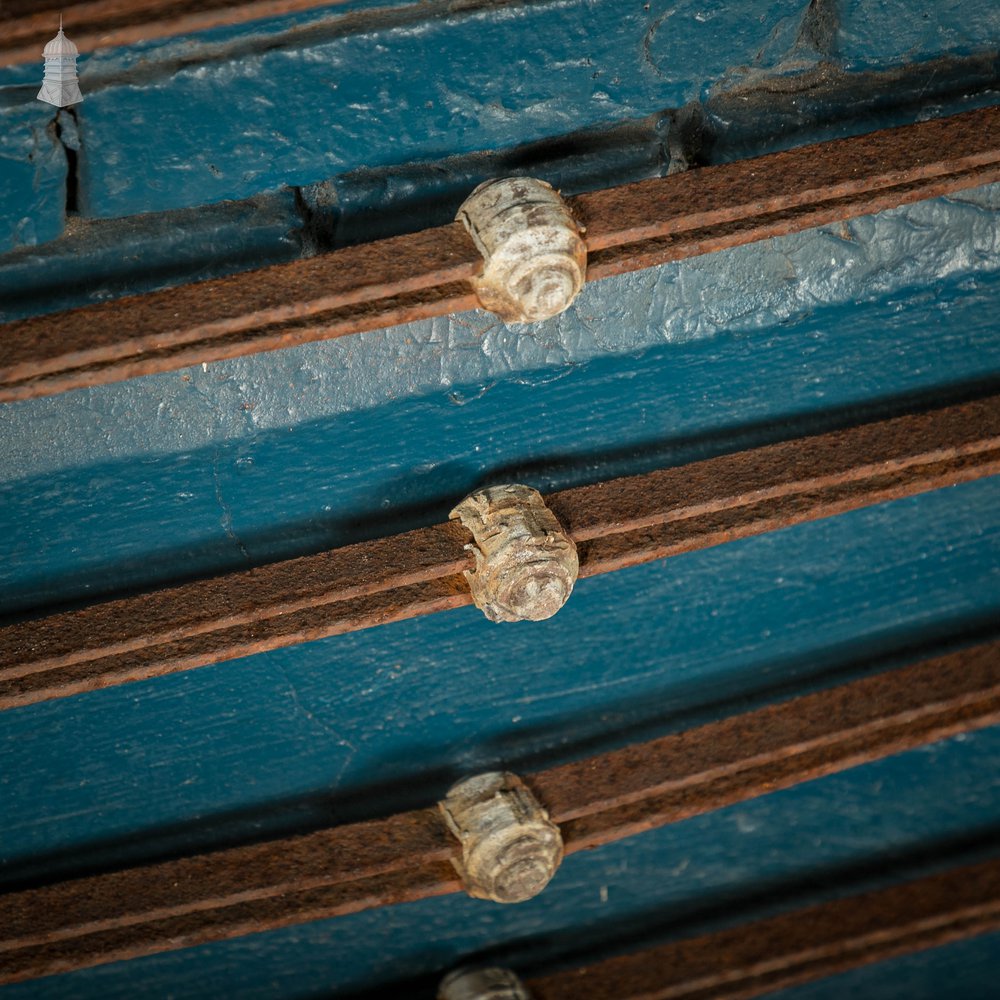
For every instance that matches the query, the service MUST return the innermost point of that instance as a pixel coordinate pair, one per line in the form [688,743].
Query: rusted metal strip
[24,28]
[427,273]
[615,524]
[228,893]
[798,947]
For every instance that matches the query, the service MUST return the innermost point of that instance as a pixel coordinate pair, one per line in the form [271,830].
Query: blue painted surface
[504,75]
[237,111]
[966,969]
[846,833]
[32,176]
[96,261]
[386,718]
[338,97]
[325,482]
[243,461]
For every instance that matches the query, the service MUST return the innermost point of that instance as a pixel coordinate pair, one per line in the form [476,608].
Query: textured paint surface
[337,100]
[967,969]
[32,175]
[394,714]
[98,260]
[774,283]
[256,458]
[505,74]
[158,478]
[696,875]
[238,111]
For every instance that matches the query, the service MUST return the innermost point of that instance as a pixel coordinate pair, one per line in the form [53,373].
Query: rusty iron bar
[427,273]
[228,893]
[615,524]
[98,24]
[754,959]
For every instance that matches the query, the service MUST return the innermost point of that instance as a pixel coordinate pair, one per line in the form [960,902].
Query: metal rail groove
[759,958]
[427,273]
[228,893]
[615,524]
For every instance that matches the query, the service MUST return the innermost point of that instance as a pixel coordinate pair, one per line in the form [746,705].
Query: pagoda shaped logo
[60,86]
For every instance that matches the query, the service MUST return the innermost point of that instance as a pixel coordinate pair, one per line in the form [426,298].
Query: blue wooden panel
[97,261]
[818,840]
[255,493]
[392,715]
[32,173]
[966,969]
[257,458]
[362,96]
[252,108]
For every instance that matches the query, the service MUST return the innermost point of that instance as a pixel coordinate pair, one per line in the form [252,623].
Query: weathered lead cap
[510,847]
[536,258]
[526,564]
[492,983]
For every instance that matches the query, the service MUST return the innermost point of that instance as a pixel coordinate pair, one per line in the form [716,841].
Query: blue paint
[833,837]
[231,126]
[97,260]
[405,709]
[354,475]
[190,86]
[300,115]
[268,456]
[876,32]
[914,263]
[32,176]
[966,969]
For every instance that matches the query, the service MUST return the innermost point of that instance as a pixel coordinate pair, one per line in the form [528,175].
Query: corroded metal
[228,893]
[526,564]
[491,983]
[533,248]
[615,524]
[428,273]
[510,847]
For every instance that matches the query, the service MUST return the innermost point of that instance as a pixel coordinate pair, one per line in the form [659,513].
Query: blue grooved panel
[328,482]
[318,732]
[966,969]
[97,261]
[814,841]
[503,75]
[231,126]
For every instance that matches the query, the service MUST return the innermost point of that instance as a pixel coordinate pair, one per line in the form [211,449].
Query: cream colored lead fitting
[491,983]
[510,847]
[526,564]
[536,259]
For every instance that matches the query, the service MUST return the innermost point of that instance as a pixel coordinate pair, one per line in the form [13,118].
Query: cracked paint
[33,174]
[355,100]
[745,288]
